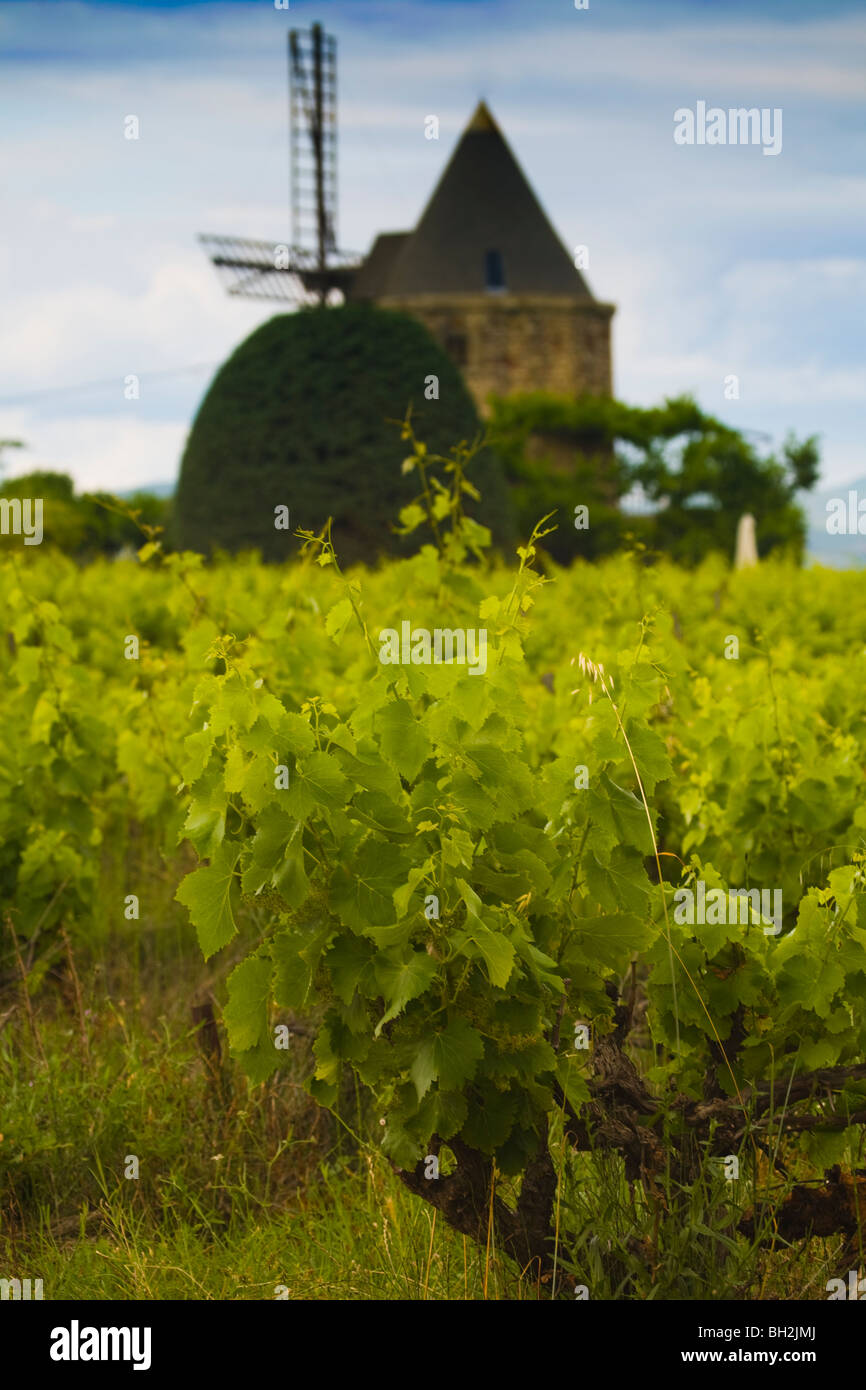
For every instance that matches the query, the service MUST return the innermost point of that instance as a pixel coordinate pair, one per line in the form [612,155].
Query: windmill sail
[305,271]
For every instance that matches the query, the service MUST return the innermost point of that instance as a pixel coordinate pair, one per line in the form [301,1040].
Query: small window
[455,346]
[494,271]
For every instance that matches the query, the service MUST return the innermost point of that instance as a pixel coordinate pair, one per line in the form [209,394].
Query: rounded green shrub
[302,416]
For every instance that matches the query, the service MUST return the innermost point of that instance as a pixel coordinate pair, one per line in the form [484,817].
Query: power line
[108,382]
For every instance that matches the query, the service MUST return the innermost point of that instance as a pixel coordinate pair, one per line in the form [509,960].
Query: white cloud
[112,453]
[87,330]
[100,274]
[821,59]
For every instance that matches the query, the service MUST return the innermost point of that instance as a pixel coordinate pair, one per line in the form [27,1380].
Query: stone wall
[508,343]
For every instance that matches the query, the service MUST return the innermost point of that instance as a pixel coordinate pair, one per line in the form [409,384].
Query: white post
[747,550]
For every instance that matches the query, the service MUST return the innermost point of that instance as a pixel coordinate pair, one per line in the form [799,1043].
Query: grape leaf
[316,781]
[620,815]
[363,891]
[490,1119]
[348,961]
[338,619]
[296,955]
[403,741]
[495,949]
[650,754]
[442,1113]
[207,892]
[609,940]
[246,1013]
[401,981]
[277,857]
[450,1057]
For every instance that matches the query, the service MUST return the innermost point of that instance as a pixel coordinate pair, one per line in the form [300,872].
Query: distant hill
[838,552]
[155,490]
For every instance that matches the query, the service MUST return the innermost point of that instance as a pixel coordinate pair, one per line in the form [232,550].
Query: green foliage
[559,452]
[428,874]
[238,1200]
[450,886]
[86,524]
[301,416]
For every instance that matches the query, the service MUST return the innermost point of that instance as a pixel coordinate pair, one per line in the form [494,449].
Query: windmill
[307,270]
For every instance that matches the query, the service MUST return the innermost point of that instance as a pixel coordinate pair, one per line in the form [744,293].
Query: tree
[302,416]
[698,473]
[86,524]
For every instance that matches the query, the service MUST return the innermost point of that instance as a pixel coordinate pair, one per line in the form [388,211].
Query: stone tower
[487,274]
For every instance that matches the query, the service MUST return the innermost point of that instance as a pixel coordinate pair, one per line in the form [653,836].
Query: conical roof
[483,203]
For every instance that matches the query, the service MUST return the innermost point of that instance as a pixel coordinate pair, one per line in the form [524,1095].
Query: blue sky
[721,260]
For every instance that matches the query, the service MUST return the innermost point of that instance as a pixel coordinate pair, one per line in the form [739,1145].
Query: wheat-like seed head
[594,670]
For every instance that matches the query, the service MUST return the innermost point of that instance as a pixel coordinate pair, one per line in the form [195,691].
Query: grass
[241,1192]
[254,1192]
[350,1238]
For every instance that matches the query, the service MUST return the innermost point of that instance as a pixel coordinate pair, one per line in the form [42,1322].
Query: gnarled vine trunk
[623,1116]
